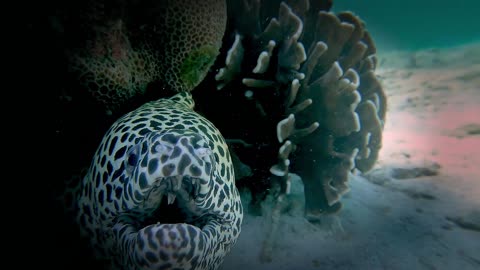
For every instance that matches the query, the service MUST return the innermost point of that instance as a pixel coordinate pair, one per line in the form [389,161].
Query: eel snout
[174,224]
[179,244]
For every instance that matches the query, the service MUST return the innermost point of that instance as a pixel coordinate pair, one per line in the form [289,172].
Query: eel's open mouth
[172,200]
[170,227]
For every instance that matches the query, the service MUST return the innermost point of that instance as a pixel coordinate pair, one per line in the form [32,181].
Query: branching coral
[312,72]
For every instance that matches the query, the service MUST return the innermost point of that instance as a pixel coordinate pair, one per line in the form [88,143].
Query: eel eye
[132,158]
[203,152]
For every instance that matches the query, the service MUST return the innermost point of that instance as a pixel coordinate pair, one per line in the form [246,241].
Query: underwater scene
[261,134]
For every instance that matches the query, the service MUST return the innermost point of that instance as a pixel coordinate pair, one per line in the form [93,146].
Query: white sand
[433,122]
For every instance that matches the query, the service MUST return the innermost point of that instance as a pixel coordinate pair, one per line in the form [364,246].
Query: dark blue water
[417,24]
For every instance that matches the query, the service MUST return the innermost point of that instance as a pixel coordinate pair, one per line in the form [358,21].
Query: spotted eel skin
[161,155]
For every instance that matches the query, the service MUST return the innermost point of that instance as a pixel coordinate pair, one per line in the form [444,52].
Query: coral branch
[233,63]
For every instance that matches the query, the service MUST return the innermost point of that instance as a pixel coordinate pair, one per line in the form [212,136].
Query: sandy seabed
[419,208]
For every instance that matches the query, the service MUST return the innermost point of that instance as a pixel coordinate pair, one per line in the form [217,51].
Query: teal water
[417,24]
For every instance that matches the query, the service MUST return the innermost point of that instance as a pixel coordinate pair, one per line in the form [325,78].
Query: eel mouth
[174,199]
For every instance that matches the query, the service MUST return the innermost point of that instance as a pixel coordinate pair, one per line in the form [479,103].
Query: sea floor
[419,208]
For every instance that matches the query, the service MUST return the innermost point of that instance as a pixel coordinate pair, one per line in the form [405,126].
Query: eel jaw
[188,238]
[185,187]
[177,193]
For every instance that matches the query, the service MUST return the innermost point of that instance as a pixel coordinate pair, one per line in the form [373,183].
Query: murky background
[412,24]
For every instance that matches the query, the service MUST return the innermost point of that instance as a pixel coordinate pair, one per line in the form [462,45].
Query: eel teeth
[177,183]
[171,198]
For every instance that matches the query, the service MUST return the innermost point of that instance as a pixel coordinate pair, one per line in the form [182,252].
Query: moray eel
[158,161]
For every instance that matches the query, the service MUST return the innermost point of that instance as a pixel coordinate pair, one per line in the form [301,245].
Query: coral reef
[291,85]
[311,72]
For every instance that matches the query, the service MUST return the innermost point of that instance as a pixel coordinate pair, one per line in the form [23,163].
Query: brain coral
[127,45]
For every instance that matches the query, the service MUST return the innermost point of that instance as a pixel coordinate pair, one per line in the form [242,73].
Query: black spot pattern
[105,178]
[151,257]
[144,162]
[204,130]
[144,131]
[132,137]
[100,196]
[109,192]
[112,145]
[222,170]
[109,168]
[140,120]
[152,165]
[179,126]
[139,126]
[142,181]
[160,117]
[221,198]
[183,163]
[152,243]
[129,191]
[220,150]
[124,138]
[118,193]
[119,171]
[120,152]
[138,195]
[125,129]
[183,236]
[167,170]
[176,152]
[98,180]
[155,124]
[170,138]
[208,168]
[103,160]
[195,171]
[163,255]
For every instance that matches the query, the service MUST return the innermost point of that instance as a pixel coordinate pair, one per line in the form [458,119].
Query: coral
[310,71]
[110,69]
[186,34]
[128,45]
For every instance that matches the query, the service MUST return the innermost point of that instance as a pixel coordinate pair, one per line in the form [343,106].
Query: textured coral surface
[117,49]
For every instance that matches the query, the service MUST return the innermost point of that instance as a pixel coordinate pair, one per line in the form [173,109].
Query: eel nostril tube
[203,151]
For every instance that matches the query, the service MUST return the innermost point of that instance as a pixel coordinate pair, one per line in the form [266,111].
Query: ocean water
[413,25]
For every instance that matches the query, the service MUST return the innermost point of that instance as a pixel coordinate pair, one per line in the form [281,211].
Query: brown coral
[132,44]
[187,35]
[110,69]
[312,72]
